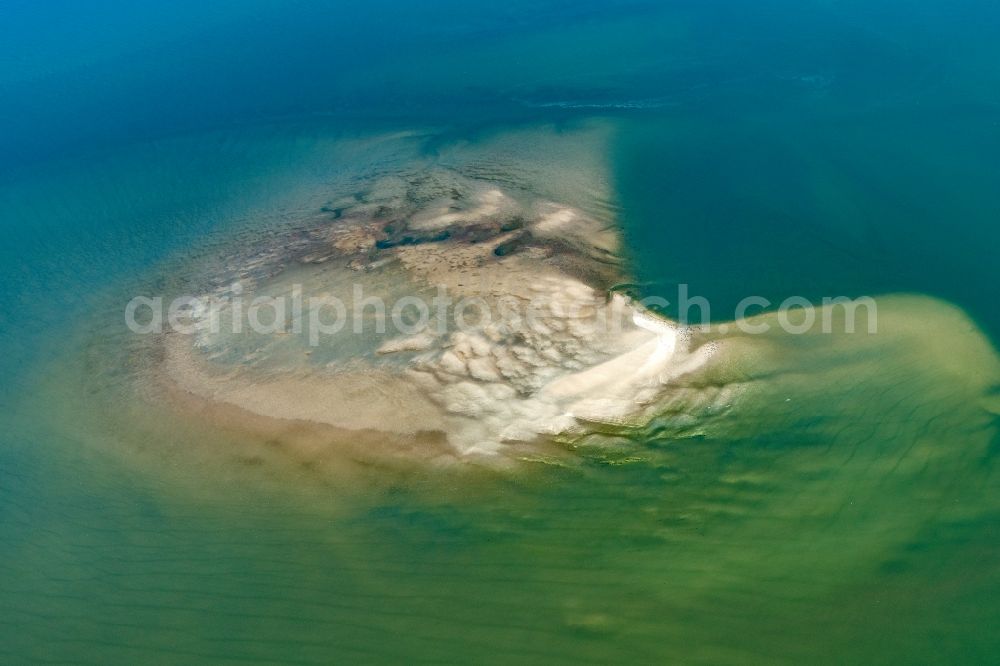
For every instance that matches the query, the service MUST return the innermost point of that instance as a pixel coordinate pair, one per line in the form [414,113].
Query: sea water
[814,149]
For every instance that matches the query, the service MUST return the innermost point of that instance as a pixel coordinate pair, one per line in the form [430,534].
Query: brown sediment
[305,440]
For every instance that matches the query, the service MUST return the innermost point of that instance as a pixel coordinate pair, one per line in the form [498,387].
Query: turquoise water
[821,148]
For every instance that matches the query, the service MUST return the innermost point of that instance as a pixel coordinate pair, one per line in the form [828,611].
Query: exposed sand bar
[590,364]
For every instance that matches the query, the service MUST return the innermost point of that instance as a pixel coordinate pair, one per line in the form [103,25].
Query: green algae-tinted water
[856,524]
[847,514]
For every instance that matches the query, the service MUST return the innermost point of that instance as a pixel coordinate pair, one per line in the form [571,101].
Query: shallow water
[846,514]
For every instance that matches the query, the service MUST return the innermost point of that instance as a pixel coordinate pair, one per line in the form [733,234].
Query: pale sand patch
[374,399]
[484,394]
[443,214]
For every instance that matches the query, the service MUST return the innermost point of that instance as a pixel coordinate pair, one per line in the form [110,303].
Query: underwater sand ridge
[593,366]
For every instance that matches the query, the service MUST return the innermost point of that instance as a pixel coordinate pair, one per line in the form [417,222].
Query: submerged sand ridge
[589,366]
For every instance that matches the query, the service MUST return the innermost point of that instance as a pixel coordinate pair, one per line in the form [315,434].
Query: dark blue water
[850,144]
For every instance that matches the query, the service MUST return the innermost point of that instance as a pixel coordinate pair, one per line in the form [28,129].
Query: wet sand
[591,365]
